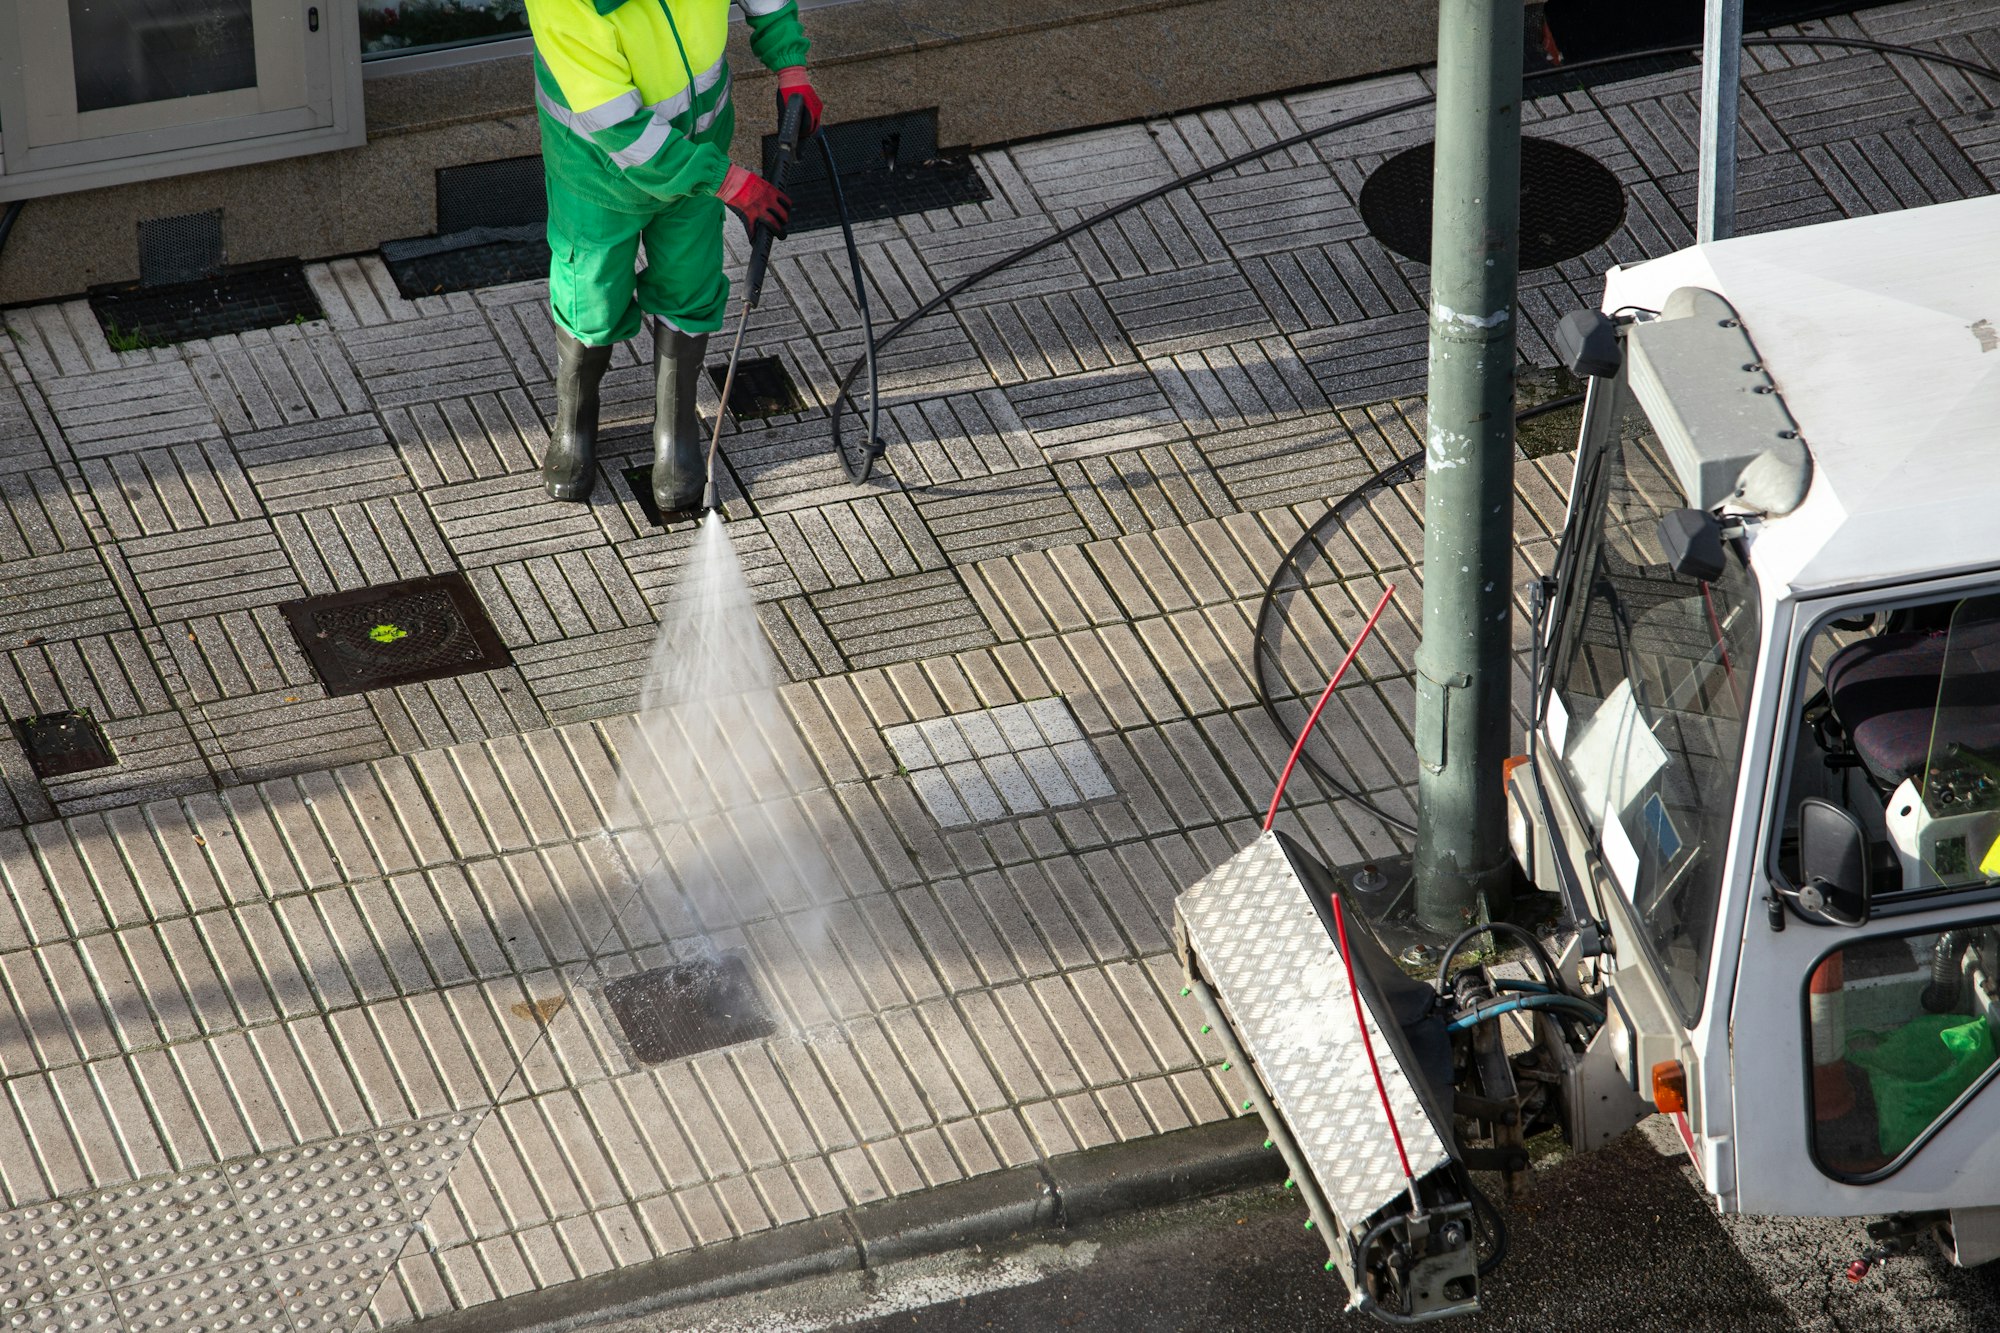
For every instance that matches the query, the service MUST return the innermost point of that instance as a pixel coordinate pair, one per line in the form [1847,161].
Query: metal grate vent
[506,193]
[670,1013]
[763,389]
[395,634]
[889,165]
[62,743]
[1570,203]
[250,296]
[183,248]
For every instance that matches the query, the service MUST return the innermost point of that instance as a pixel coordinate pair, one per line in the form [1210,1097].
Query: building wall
[996,73]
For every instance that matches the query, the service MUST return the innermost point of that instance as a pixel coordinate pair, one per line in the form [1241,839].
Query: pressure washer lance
[761,236]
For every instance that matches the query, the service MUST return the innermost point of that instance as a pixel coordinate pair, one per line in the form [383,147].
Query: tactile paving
[418,1156]
[315,1193]
[47,1279]
[331,1284]
[241,1294]
[151,1229]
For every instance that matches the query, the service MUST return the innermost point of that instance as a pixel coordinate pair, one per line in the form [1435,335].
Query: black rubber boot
[680,453]
[569,468]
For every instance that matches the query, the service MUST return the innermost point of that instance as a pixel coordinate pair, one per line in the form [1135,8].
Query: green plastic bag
[1919,1069]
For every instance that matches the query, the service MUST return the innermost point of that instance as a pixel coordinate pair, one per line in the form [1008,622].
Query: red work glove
[756,201]
[792,81]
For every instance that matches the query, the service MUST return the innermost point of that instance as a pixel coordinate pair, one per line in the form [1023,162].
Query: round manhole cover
[1570,203]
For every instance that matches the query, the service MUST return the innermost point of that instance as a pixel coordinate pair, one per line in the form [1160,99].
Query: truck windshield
[1651,676]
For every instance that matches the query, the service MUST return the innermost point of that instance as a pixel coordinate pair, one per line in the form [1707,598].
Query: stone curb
[1024,1201]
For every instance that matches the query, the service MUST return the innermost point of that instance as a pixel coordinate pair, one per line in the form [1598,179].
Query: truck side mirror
[1587,342]
[1833,864]
[1693,542]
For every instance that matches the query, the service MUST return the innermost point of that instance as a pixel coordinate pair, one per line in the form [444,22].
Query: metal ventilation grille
[183,248]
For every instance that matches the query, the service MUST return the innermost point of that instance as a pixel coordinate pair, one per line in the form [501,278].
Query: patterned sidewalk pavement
[306,1019]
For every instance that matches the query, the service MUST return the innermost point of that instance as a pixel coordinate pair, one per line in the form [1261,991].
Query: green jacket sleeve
[776,36]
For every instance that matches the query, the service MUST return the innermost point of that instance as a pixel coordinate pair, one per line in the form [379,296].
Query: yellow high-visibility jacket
[631,91]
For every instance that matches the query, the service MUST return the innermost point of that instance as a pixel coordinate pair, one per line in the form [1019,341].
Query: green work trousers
[593,250]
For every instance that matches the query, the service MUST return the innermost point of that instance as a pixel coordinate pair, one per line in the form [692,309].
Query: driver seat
[1884,693]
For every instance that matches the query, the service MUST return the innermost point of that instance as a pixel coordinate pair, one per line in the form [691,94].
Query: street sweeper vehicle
[1762,776]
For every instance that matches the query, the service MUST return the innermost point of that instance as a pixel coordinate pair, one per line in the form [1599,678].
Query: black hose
[1542,959]
[873,447]
[860,464]
[1495,1229]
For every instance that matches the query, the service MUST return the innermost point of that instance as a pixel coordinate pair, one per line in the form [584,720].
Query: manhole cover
[1570,203]
[763,388]
[673,1012]
[63,743]
[395,634]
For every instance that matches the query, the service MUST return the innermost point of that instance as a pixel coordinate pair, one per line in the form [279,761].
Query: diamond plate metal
[1281,982]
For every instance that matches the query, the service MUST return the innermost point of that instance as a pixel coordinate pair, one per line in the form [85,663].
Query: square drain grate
[889,166]
[245,297]
[59,744]
[670,1013]
[465,267]
[639,478]
[763,389]
[395,634]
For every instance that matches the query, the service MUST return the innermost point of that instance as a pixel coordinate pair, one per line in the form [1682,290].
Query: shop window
[405,27]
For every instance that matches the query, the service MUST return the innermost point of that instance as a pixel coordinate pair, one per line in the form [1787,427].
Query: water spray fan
[790,128]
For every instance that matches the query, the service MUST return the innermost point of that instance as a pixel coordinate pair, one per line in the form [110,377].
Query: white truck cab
[1763,774]
[1775,768]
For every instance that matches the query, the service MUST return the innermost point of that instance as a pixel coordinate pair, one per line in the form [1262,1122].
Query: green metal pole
[1464,663]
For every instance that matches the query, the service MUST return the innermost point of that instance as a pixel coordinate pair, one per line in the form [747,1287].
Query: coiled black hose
[860,463]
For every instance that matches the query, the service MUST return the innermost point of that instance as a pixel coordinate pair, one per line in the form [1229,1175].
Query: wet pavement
[308,1017]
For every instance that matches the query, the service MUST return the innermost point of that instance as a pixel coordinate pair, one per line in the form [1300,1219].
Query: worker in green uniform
[636,122]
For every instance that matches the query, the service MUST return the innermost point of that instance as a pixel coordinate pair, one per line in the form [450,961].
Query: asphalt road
[1621,1240]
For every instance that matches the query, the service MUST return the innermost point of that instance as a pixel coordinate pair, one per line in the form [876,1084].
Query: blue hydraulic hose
[1568,1003]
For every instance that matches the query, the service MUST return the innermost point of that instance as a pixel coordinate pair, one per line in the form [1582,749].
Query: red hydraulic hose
[1271,815]
[1381,1089]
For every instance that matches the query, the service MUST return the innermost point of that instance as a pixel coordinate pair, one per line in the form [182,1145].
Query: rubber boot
[680,453]
[569,468]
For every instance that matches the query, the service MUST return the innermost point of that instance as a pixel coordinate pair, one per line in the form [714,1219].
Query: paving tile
[1096,412]
[1000,514]
[424,360]
[58,596]
[1187,310]
[902,619]
[130,407]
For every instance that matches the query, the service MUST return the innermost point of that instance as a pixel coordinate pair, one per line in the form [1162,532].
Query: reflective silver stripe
[759,8]
[644,148]
[707,118]
[588,123]
[622,107]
